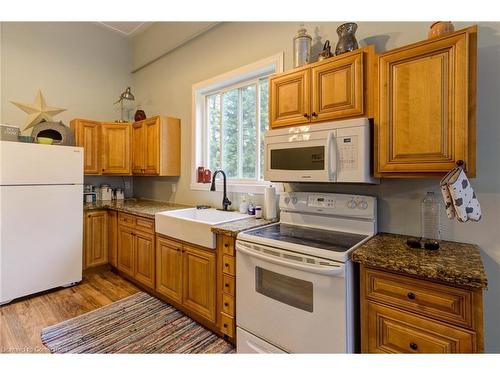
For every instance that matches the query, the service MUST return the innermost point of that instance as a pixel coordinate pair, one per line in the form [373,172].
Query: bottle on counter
[431,217]
[258,212]
[251,205]
[244,206]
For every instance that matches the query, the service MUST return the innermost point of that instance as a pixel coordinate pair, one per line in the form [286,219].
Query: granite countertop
[141,207]
[234,227]
[454,263]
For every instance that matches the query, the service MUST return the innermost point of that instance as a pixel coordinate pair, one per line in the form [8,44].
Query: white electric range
[296,287]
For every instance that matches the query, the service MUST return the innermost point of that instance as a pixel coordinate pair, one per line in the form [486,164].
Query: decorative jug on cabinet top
[347,41]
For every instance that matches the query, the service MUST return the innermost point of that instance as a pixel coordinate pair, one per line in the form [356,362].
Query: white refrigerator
[41,218]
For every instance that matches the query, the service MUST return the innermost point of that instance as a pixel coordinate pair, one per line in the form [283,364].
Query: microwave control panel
[348,152]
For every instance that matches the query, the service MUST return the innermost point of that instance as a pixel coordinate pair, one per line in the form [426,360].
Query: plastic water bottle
[431,217]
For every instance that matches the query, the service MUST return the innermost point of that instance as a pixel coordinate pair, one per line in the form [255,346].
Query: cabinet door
[169,269]
[144,259]
[125,259]
[96,239]
[198,289]
[138,148]
[290,98]
[396,331]
[152,145]
[112,237]
[337,88]
[115,148]
[87,136]
[424,121]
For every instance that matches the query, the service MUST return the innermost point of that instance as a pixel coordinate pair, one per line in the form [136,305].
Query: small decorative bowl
[44,140]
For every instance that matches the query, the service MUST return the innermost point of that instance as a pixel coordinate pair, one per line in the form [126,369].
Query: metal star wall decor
[38,111]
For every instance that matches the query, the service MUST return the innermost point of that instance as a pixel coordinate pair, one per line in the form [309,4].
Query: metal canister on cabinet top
[301,48]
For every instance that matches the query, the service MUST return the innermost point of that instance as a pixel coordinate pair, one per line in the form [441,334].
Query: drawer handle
[411,295]
[413,346]
[225,325]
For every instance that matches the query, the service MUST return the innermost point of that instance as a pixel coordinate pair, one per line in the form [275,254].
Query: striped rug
[137,324]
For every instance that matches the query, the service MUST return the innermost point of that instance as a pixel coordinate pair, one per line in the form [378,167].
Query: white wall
[165,87]
[79,66]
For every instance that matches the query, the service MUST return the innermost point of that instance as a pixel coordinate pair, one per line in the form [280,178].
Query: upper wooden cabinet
[332,89]
[115,148]
[87,135]
[156,146]
[426,114]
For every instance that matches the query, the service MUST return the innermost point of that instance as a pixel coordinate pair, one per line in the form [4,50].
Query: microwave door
[297,161]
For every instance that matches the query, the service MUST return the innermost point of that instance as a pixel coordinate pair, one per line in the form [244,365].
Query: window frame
[245,75]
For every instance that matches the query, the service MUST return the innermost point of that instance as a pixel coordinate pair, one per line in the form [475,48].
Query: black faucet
[225,202]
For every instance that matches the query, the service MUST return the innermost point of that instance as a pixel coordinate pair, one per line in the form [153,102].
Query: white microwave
[337,151]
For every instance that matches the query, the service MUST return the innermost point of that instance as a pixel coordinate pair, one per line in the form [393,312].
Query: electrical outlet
[127,185]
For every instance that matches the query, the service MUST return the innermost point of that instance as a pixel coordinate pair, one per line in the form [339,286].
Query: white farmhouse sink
[194,225]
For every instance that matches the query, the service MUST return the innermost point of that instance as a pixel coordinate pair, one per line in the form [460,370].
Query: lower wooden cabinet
[403,314]
[95,239]
[125,258]
[169,268]
[186,274]
[144,259]
[112,237]
[199,288]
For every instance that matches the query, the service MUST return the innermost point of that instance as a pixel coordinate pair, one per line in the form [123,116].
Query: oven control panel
[329,203]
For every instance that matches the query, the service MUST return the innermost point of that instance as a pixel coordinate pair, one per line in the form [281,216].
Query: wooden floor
[22,321]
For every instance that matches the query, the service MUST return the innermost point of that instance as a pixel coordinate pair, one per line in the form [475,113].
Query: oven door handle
[322,270]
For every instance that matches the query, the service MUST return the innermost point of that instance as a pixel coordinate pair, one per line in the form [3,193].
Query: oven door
[295,302]
[301,157]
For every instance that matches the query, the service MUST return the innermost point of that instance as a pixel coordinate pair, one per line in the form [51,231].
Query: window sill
[239,187]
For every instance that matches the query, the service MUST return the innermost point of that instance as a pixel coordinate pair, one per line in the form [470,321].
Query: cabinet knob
[411,295]
[314,114]
[226,245]
[225,325]
[413,346]
[226,304]
[306,115]
[226,265]
[226,285]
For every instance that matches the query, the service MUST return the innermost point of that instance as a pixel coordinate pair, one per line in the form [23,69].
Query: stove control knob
[287,200]
[351,204]
[363,205]
[294,200]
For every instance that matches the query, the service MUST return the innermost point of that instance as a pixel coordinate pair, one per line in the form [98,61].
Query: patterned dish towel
[459,197]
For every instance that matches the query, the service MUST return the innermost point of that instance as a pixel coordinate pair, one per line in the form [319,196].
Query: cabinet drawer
[446,303]
[394,331]
[228,265]
[125,219]
[228,285]
[228,245]
[228,304]
[145,225]
[227,325]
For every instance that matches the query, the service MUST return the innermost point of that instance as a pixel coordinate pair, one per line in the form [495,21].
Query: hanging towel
[459,197]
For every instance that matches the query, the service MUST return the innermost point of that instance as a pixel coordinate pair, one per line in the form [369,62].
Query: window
[231,117]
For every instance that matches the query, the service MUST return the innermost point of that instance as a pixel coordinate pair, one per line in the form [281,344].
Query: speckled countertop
[454,263]
[234,227]
[141,207]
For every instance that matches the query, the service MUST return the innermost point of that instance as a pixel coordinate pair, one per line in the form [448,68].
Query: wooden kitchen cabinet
[95,242]
[115,148]
[156,146]
[404,314]
[427,107]
[144,258]
[336,88]
[87,135]
[199,287]
[169,268]
[112,237]
[226,285]
[125,254]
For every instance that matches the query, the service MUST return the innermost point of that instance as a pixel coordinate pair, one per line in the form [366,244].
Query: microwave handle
[332,156]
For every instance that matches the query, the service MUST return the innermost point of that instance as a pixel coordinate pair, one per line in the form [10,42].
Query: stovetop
[311,237]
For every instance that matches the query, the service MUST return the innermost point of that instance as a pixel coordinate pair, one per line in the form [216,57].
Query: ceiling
[126,29]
